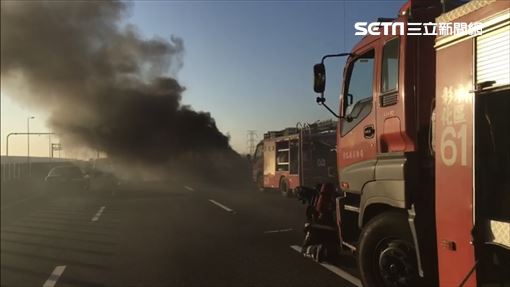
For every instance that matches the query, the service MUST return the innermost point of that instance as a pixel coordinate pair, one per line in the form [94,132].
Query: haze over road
[179,234]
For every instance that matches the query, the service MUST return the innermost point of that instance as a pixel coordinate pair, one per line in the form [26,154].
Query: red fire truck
[423,148]
[294,158]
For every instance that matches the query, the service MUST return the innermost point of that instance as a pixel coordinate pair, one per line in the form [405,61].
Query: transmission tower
[251,140]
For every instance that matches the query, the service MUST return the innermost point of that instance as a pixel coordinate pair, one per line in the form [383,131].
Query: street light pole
[49,146]
[28,145]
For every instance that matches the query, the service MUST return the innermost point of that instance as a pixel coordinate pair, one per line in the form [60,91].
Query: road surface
[178,234]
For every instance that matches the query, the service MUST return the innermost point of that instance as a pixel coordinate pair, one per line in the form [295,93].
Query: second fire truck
[296,158]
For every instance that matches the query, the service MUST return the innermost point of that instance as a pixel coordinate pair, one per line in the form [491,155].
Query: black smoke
[105,86]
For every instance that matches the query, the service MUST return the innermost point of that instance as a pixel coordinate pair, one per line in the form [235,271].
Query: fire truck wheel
[260,183]
[284,187]
[386,254]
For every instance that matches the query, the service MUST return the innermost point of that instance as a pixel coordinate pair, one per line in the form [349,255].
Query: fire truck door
[357,140]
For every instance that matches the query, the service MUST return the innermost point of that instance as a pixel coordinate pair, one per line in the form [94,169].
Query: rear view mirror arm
[335,55]
[321,100]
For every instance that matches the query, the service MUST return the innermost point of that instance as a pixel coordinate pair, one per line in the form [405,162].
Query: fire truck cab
[418,185]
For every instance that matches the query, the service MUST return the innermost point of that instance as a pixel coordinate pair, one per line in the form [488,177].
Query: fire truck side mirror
[319,81]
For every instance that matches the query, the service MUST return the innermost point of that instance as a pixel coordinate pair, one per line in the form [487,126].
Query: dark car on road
[67,177]
[103,181]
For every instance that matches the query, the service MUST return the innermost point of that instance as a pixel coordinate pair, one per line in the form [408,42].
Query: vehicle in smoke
[67,177]
[102,174]
[100,180]
[296,159]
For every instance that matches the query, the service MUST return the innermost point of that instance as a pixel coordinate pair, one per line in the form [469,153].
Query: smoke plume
[105,86]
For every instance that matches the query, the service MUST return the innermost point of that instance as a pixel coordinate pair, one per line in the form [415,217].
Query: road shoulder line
[339,272]
[278,230]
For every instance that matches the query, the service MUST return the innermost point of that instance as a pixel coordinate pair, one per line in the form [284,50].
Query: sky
[248,63]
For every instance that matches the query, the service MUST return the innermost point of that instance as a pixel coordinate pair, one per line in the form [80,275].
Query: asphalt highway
[175,234]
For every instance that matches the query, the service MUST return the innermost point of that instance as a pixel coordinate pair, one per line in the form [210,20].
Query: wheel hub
[396,264]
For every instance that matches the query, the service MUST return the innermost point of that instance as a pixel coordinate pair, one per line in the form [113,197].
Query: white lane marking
[55,275]
[189,188]
[278,230]
[296,247]
[220,205]
[98,214]
[344,274]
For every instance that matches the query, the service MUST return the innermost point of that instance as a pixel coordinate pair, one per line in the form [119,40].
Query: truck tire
[284,187]
[387,256]
[260,183]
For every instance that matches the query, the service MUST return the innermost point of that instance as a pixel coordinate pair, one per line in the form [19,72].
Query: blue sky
[249,63]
